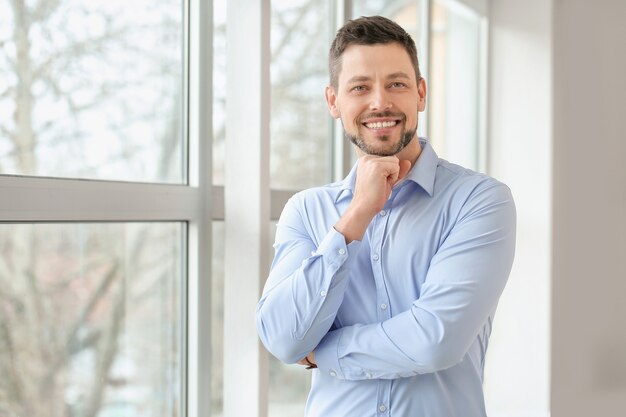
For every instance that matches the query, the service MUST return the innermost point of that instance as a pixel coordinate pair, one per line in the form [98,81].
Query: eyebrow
[398,74]
[358,79]
[394,76]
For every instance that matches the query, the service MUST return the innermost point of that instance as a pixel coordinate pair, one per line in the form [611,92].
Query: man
[388,281]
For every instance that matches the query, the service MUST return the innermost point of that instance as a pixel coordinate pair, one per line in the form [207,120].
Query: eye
[398,84]
[358,88]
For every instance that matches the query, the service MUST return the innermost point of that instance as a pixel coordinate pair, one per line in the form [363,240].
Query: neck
[412,151]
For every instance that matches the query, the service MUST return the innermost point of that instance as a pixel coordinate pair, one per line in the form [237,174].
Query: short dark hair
[369,30]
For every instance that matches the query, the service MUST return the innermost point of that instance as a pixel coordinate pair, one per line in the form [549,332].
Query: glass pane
[407,13]
[410,15]
[300,124]
[454,83]
[92,89]
[91,319]
[219,90]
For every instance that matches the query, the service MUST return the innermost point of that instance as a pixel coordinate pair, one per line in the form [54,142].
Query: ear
[331,100]
[421,91]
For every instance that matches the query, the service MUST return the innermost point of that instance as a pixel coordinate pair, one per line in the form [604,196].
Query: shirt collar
[422,173]
[425,169]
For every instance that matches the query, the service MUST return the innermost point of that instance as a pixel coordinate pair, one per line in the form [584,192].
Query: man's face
[377,98]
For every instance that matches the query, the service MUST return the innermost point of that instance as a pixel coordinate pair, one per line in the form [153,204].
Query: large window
[115,223]
[102,227]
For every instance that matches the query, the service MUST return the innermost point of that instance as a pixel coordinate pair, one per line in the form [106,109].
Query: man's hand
[375,177]
[308,361]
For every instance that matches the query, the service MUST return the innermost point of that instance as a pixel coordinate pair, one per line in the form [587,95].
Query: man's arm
[307,282]
[305,287]
[462,287]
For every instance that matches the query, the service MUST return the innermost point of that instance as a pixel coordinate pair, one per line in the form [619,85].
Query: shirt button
[342,251]
[323,293]
[375,257]
[383,213]
[382,408]
[333,373]
[383,306]
[368,375]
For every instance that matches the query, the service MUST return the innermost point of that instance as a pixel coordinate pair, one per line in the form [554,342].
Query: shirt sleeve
[461,290]
[305,287]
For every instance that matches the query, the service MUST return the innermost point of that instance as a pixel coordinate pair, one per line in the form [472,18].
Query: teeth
[380,125]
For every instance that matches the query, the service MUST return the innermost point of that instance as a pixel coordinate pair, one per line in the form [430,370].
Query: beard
[405,138]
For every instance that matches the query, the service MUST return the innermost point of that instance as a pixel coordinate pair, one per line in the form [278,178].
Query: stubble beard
[405,139]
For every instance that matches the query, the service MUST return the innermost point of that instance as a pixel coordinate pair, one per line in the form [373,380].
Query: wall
[589,229]
[557,72]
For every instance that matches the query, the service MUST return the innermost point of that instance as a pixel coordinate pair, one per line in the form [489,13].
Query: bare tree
[50,319]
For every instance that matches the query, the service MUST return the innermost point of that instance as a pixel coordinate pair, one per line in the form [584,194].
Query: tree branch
[72,335]
[44,9]
[68,55]
[296,24]
[10,372]
[108,351]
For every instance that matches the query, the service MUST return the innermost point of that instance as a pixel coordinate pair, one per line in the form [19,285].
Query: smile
[381,125]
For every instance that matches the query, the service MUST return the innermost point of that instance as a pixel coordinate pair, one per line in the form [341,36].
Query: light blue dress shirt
[399,321]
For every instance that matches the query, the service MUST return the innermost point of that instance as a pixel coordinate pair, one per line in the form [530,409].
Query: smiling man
[386,283]
[377,95]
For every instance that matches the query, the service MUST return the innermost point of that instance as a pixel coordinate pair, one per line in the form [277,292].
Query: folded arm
[461,290]
[305,287]
[307,281]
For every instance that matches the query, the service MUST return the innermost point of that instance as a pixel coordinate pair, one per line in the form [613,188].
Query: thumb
[405,166]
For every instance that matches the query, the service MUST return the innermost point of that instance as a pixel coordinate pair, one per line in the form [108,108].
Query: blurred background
[147,149]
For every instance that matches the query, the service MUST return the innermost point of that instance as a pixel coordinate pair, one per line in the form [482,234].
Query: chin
[380,145]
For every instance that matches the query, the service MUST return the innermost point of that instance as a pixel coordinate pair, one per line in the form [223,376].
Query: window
[123,227]
[456,98]
[98,83]
[91,318]
[102,222]
[299,127]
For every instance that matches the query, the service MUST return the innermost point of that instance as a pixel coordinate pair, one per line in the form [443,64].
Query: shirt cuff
[335,250]
[326,354]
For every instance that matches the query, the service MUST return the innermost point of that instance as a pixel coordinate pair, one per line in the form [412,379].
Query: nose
[380,100]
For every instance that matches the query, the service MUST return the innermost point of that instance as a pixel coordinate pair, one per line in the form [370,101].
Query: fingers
[391,167]
[308,361]
[385,165]
[375,179]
